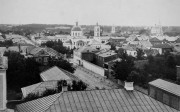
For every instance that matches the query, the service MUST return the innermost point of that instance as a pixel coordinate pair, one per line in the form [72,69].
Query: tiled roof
[165,45]
[39,87]
[54,73]
[167,86]
[38,105]
[112,100]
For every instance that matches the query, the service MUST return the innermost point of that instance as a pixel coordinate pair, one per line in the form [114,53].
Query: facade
[97,30]
[103,57]
[157,30]
[162,48]
[3,86]
[76,31]
[113,29]
[165,92]
[84,53]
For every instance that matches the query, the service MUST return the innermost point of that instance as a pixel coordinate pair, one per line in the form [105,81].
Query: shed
[166,92]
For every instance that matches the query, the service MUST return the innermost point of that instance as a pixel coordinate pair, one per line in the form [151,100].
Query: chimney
[3,87]
[178,73]
[64,86]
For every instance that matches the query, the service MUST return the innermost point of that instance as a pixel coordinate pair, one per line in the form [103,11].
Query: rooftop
[167,86]
[39,87]
[112,100]
[107,54]
[54,73]
[165,45]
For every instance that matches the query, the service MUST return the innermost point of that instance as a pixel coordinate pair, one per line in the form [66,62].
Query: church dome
[76,28]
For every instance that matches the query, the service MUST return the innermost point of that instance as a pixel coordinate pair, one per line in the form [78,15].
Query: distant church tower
[3,87]
[113,29]
[97,30]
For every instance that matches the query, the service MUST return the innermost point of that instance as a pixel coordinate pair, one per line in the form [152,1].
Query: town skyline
[114,12]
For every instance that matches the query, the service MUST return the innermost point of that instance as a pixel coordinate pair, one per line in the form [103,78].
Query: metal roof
[112,100]
[167,86]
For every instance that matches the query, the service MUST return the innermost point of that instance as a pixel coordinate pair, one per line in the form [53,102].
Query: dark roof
[165,45]
[154,40]
[112,100]
[178,40]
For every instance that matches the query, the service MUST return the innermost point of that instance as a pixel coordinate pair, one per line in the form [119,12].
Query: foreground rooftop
[112,100]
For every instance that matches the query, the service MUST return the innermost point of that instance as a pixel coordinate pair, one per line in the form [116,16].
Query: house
[116,40]
[111,100]
[130,50]
[162,48]
[104,56]
[38,88]
[84,53]
[42,54]
[165,92]
[95,43]
[155,41]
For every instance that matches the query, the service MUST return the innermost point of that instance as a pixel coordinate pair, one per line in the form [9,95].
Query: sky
[89,12]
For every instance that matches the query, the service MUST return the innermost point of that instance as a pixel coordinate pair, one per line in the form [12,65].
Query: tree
[123,68]
[61,63]
[21,72]
[140,54]
[170,62]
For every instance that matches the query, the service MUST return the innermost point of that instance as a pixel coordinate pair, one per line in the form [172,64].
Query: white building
[76,30]
[97,30]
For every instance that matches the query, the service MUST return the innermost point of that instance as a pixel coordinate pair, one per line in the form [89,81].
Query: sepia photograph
[89,55]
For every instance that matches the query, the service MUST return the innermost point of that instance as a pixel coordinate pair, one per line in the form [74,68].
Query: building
[3,86]
[165,92]
[111,100]
[105,56]
[42,54]
[130,50]
[155,41]
[162,48]
[97,30]
[157,30]
[113,29]
[118,41]
[84,53]
[38,88]
[76,31]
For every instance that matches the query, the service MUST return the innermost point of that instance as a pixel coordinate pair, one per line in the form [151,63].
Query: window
[46,59]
